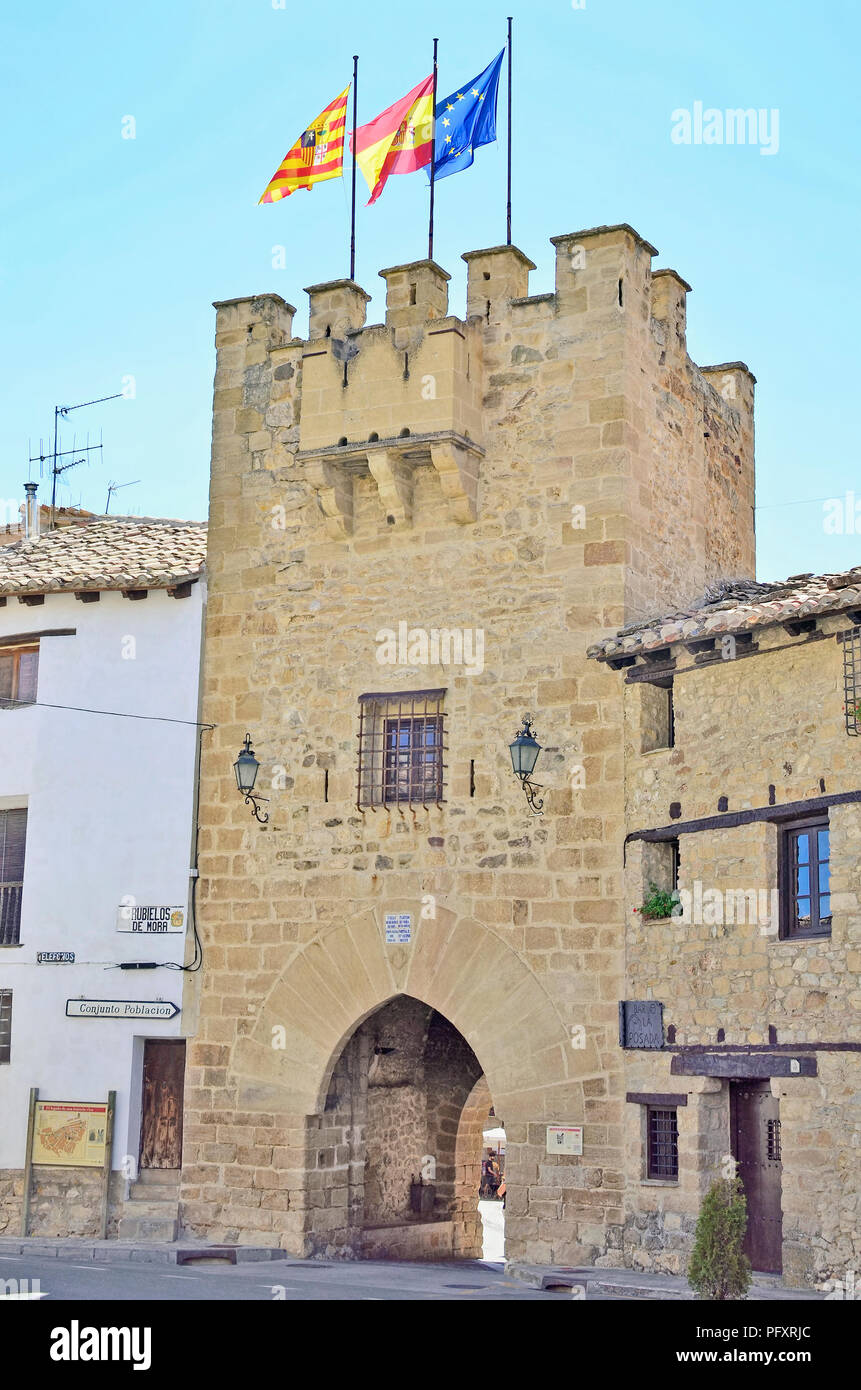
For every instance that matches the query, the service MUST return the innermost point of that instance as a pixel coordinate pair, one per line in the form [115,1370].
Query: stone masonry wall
[506,473]
[769,721]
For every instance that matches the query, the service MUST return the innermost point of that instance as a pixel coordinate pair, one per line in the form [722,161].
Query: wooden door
[161,1126]
[755,1128]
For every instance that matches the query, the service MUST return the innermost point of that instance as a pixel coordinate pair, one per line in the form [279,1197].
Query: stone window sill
[659,1182]
[11,945]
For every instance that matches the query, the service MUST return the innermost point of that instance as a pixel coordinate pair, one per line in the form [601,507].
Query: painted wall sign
[565,1139]
[399,926]
[70,1133]
[641,1023]
[55,958]
[150,921]
[121,1008]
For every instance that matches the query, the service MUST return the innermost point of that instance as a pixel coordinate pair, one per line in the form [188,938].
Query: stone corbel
[394,480]
[457,470]
[334,487]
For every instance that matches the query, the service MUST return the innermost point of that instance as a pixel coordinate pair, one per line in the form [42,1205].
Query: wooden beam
[657,1097]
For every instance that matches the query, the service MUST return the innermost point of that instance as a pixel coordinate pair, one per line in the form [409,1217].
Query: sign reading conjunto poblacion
[150,921]
[121,1008]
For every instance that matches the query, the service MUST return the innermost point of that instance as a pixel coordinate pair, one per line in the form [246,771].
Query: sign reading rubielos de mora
[121,1008]
[150,921]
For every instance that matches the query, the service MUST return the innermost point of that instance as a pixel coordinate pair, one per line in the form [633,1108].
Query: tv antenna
[116,487]
[57,470]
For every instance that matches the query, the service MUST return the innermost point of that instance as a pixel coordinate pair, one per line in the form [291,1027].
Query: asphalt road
[276,1280]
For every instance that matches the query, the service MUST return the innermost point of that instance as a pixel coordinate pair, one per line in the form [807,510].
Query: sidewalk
[635,1283]
[596,1283]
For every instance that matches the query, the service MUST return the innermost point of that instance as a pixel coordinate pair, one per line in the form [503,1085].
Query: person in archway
[489,1175]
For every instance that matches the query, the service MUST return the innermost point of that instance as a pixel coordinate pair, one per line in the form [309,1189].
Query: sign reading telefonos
[150,921]
[121,1008]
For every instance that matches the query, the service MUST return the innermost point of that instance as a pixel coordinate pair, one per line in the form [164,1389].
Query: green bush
[719,1268]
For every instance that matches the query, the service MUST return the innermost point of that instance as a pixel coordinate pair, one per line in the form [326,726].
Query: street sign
[150,921]
[121,1008]
[55,958]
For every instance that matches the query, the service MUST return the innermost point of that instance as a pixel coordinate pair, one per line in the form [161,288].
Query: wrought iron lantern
[524,755]
[246,768]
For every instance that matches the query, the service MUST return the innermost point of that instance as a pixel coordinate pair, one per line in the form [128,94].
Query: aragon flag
[318,153]
[398,141]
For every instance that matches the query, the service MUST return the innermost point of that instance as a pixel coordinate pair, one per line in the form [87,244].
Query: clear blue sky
[113,249]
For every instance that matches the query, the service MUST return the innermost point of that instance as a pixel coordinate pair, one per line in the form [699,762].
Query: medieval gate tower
[417,528]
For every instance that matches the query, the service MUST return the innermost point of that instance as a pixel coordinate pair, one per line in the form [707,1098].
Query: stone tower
[417,527]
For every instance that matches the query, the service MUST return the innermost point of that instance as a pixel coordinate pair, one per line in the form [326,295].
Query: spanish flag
[398,141]
[318,153]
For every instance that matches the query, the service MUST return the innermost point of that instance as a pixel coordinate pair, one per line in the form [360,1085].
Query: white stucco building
[101,626]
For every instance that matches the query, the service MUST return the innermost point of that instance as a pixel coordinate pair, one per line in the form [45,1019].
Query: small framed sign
[399,926]
[641,1023]
[565,1139]
[55,958]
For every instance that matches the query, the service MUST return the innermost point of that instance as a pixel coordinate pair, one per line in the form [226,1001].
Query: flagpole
[353,203]
[433,156]
[508,205]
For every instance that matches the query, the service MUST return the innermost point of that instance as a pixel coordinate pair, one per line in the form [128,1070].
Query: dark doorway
[396,1153]
[755,1135]
[161,1123]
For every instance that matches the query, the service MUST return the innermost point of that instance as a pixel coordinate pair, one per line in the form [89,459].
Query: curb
[113,1252]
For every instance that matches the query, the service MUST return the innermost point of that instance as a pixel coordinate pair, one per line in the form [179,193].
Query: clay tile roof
[109,553]
[738,606]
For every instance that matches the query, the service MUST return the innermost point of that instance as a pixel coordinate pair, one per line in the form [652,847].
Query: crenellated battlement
[588,388]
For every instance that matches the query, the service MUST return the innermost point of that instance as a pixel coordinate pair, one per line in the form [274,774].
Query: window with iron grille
[852,680]
[19,674]
[13,839]
[402,745]
[805,888]
[5,1024]
[662,1143]
[773,1140]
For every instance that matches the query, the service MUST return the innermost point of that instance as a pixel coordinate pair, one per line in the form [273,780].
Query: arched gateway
[368,1073]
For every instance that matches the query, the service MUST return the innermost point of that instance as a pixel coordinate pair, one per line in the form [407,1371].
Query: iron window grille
[5,1025]
[19,675]
[402,748]
[805,896]
[773,1140]
[662,1143]
[13,840]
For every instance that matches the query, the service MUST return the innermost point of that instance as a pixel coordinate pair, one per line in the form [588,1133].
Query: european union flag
[466,120]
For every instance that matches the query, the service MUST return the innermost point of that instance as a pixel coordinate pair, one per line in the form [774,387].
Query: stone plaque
[641,1023]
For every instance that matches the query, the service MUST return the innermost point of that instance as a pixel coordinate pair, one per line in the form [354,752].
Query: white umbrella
[496,1134]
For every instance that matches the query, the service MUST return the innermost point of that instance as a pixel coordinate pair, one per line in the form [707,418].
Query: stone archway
[382,1153]
[267,1090]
